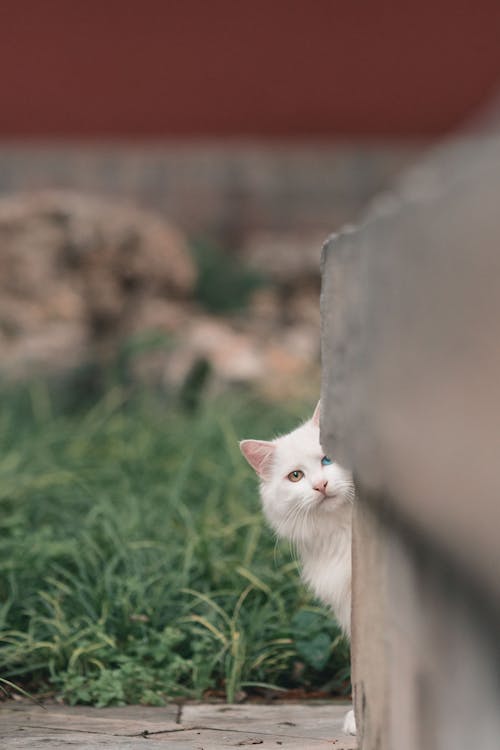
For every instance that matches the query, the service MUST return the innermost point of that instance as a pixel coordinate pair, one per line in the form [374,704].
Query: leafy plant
[224,283]
[134,562]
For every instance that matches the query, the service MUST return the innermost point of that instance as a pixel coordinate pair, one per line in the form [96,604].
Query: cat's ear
[316,415]
[259,454]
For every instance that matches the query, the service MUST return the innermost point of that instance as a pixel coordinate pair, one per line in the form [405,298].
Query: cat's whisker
[302,533]
[350,493]
[275,550]
[304,517]
[288,527]
[291,518]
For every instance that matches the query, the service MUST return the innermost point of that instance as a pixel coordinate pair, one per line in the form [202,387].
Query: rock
[79,273]
[234,356]
[282,364]
[81,277]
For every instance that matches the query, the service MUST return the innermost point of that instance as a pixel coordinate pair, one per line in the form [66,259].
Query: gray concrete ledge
[411,403]
[411,353]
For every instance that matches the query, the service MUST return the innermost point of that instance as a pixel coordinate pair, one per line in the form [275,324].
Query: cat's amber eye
[295,476]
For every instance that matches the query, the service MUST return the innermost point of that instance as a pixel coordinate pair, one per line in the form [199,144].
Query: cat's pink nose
[321,486]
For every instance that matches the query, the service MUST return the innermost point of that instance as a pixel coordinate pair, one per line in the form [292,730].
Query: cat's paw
[349,723]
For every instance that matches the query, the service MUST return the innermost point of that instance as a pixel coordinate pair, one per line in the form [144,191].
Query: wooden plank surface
[192,727]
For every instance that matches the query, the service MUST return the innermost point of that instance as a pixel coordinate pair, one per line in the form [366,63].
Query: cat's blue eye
[326,461]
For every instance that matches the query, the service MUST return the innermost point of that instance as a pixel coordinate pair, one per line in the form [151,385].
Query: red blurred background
[155,68]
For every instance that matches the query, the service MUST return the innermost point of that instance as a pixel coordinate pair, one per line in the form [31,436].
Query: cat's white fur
[314,513]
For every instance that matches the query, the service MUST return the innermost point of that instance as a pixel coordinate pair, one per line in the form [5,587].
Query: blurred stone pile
[80,276]
[77,273]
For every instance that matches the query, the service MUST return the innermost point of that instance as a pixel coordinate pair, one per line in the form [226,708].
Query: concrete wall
[411,400]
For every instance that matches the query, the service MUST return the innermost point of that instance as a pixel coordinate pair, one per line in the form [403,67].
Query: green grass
[224,283]
[135,565]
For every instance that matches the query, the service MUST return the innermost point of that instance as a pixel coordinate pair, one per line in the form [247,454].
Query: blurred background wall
[251,130]
[224,68]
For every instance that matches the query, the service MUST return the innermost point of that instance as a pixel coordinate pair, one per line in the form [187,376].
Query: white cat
[308,498]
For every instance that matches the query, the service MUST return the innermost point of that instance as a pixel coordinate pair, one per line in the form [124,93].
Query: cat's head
[303,490]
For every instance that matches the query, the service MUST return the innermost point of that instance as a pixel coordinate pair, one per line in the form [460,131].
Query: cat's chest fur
[326,568]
